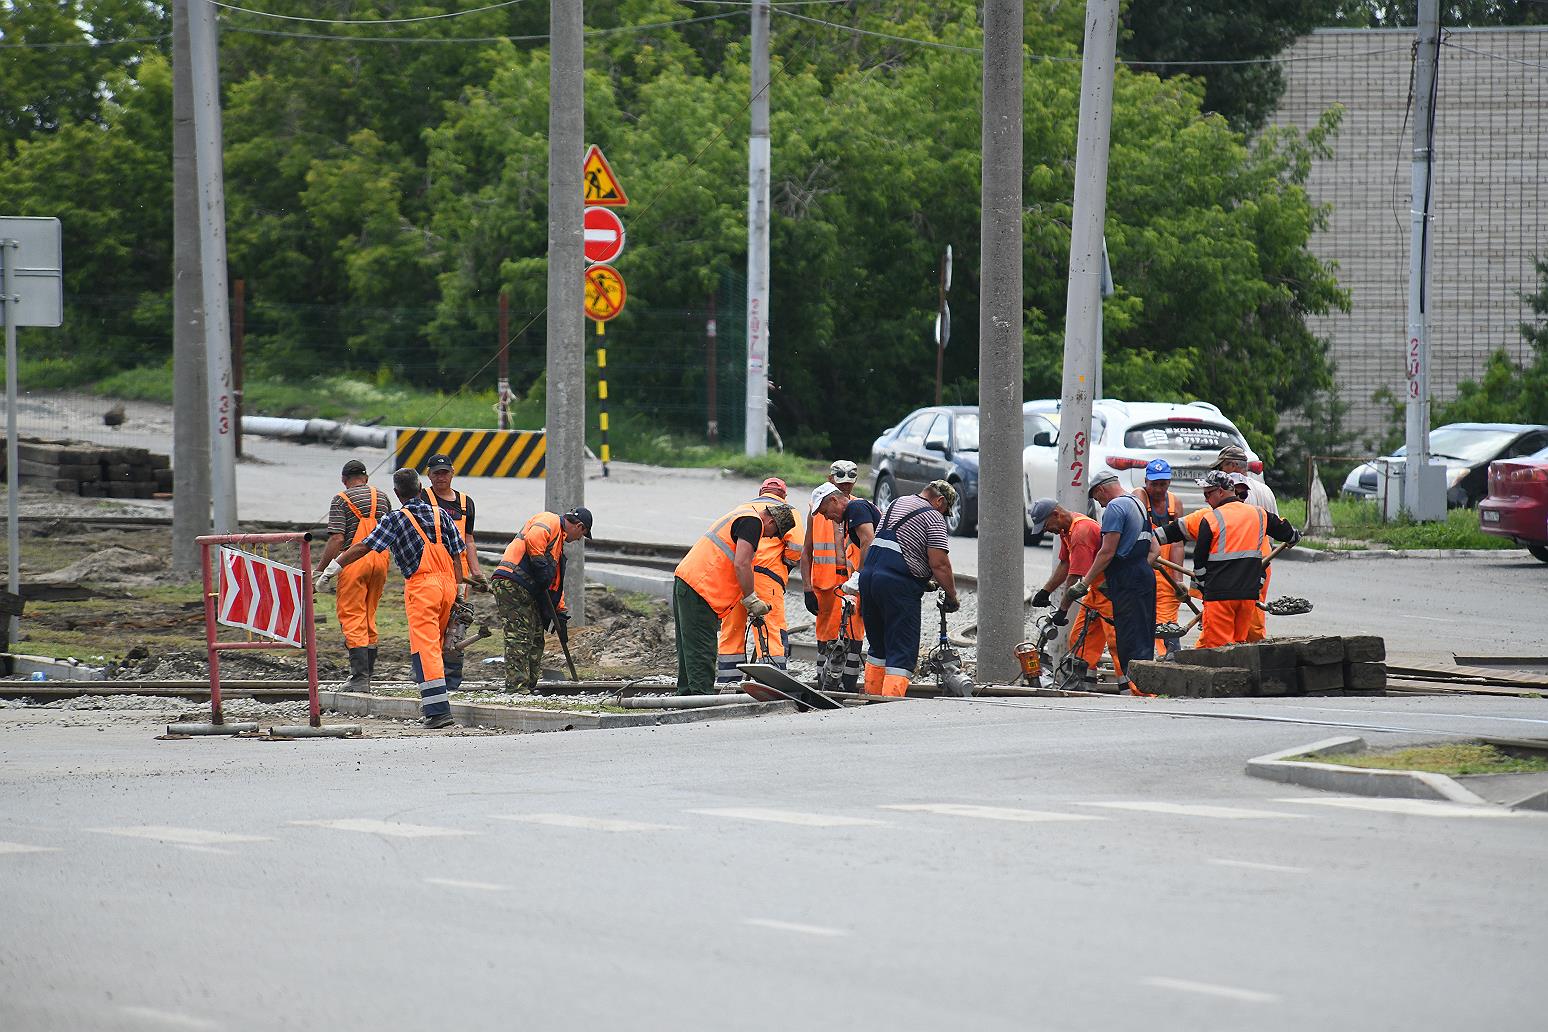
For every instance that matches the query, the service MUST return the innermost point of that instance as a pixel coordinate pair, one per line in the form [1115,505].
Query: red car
[1517,506]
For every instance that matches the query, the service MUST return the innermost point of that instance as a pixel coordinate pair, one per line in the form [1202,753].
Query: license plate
[1490,516]
[1187,474]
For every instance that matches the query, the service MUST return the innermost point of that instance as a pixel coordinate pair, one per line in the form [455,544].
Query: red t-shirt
[1080,544]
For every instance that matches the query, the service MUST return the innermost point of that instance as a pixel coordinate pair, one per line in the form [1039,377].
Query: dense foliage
[1510,393]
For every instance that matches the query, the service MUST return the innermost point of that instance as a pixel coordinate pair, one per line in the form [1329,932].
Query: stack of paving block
[1353,665]
[91,470]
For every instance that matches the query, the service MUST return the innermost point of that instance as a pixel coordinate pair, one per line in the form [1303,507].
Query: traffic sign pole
[602,394]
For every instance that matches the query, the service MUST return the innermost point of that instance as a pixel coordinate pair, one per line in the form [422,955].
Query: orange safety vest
[365,524]
[529,543]
[776,556]
[1239,531]
[461,522]
[829,564]
[707,568]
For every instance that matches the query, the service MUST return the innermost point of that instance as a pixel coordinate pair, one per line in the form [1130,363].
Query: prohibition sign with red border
[603,235]
[605,293]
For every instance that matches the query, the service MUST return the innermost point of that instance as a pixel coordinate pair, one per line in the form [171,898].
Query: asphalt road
[923,865]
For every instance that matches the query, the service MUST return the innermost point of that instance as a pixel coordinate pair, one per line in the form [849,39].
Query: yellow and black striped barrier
[476,453]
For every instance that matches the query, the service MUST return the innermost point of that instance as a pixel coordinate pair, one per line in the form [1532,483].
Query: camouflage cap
[783,517]
[946,491]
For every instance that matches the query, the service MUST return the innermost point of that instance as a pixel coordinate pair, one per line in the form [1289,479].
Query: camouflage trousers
[518,612]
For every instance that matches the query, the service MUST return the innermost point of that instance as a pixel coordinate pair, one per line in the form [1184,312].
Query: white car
[1125,436]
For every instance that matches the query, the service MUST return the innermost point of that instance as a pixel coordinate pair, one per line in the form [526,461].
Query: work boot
[436,723]
[371,660]
[359,670]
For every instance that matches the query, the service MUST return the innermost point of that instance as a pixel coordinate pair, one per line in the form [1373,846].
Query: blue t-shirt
[1126,517]
[859,513]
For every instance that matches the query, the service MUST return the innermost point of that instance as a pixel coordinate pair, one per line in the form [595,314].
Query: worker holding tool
[1233,460]
[772,563]
[909,553]
[425,544]
[714,577]
[829,559]
[1123,562]
[1080,538]
[1161,508]
[529,592]
[352,516]
[1242,488]
[460,507]
[1229,550]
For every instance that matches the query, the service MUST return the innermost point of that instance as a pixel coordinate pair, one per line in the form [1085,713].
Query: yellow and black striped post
[602,393]
[475,453]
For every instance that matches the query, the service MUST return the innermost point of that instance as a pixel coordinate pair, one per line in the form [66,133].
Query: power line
[1498,57]
[366,21]
[84,43]
[887,35]
[623,29]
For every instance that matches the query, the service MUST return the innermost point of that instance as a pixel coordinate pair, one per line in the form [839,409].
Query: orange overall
[461,522]
[360,583]
[428,594]
[1166,598]
[1259,629]
[1238,535]
[1079,545]
[772,562]
[832,564]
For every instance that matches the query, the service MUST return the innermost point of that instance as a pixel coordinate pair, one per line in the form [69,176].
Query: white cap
[821,494]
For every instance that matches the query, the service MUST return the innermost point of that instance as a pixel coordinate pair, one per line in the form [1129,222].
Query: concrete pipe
[308,731]
[238,728]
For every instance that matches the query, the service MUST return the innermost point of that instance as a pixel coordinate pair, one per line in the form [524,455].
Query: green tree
[1508,392]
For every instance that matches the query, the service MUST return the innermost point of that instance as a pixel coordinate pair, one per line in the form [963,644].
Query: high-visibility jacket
[708,569]
[1174,508]
[1233,565]
[541,537]
[775,557]
[829,562]
[461,522]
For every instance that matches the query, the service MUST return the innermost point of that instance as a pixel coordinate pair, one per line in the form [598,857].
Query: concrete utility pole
[190,398]
[209,160]
[758,237]
[1001,513]
[1424,488]
[566,412]
[1083,301]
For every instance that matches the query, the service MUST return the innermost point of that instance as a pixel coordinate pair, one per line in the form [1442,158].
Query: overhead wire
[227,26]
[365,21]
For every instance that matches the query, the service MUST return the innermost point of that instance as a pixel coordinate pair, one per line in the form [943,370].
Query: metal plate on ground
[774,679]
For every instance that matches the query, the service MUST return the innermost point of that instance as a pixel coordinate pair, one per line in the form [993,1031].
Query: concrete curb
[515,718]
[1311,555]
[1398,784]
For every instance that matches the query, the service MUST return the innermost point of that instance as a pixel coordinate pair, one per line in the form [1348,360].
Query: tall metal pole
[503,384]
[566,412]
[1083,300]
[209,161]
[712,374]
[758,237]
[1001,615]
[1417,359]
[8,309]
[190,398]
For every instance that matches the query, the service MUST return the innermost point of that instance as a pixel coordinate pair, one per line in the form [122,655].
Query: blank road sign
[37,275]
[604,235]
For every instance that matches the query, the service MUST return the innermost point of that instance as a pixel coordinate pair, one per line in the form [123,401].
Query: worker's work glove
[562,615]
[479,580]
[1059,618]
[329,572]
[1295,537]
[949,605]
[1077,590]
[1042,600]
[810,598]
[756,607]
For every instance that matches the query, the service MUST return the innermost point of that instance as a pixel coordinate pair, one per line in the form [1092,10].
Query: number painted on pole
[1076,469]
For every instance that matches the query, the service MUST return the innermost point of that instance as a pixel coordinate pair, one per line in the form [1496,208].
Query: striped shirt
[918,535]
[342,521]
[395,534]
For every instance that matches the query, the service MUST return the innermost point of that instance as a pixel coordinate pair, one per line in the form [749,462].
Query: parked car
[1125,435]
[1466,449]
[936,443]
[1517,504]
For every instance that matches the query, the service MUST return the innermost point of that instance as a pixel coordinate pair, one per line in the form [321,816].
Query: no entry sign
[604,235]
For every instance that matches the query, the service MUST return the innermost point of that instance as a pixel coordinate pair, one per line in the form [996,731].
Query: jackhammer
[945,663]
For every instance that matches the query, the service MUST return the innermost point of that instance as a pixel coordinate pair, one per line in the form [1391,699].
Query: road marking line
[791,926]
[1225,813]
[20,847]
[394,829]
[565,820]
[209,849]
[1253,865]
[454,883]
[992,813]
[812,820]
[1412,807]
[1208,989]
[172,1018]
[180,836]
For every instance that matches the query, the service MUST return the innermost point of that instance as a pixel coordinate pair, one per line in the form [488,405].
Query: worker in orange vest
[715,577]
[425,544]
[1229,539]
[827,561]
[772,563]
[352,516]
[529,591]
[1162,507]
[460,507]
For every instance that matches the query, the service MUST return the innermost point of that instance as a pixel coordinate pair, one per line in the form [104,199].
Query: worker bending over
[910,548]
[1161,508]
[714,577]
[425,544]
[772,563]
[1229,540]
[829,558]
[351,517]
[1124,561]
[529,591]
[1080,538]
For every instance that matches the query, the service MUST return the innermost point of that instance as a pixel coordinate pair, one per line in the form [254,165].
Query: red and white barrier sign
[261,596]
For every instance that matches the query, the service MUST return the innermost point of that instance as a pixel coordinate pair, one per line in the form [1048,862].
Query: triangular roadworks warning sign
[598,184]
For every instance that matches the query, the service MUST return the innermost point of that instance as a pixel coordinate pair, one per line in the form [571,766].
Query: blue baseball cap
[1038,513]
[1158,469]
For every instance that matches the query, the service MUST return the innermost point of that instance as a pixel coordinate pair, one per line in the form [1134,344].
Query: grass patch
[1463,758]
[1359,520]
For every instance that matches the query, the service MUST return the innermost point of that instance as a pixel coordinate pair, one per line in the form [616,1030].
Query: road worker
[1161,508]
[425,544]
[715,577]
[352,516]
[460,507]
[529,591]
[772,563]
[1124,561]
[826,564]
[909,551]
[1233,460]
[1080,538]
[1229,550]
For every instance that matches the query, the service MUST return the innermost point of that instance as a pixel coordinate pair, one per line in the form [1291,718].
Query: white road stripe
[19,847]
[1412,807]
[1253,865]
[394,829]
[1209,989]
[209,849]
[170,1018]
[454,883]
[992,813]
[1225,813]
[181,836]
[812,820]
[565,820]
[791,926]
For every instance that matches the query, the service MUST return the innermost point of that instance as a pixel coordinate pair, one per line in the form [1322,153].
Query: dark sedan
[1466,449]
[938,443]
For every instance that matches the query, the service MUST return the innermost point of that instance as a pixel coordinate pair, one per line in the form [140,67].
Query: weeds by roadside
[1459,758]
[1357,520]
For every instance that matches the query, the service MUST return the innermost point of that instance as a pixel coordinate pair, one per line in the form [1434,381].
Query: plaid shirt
[395,534]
